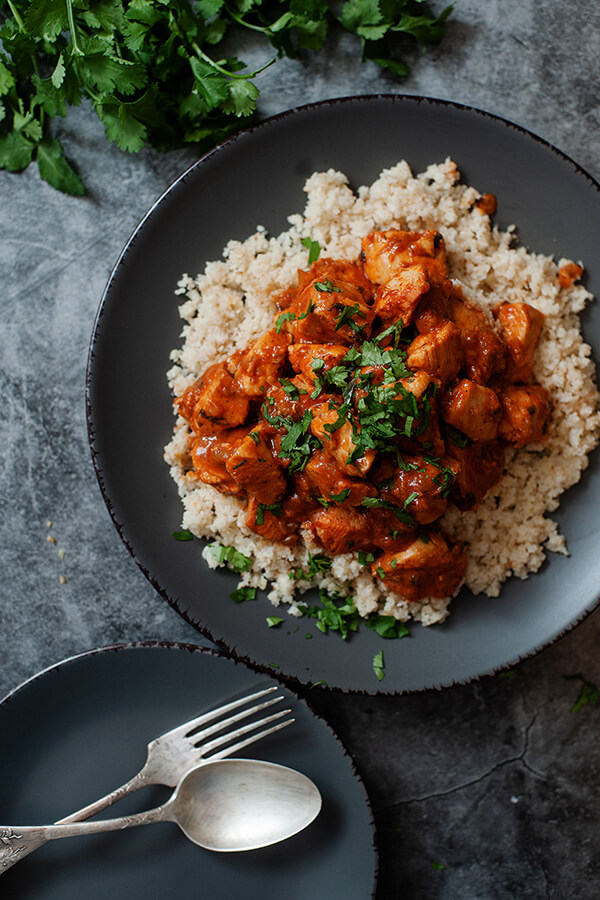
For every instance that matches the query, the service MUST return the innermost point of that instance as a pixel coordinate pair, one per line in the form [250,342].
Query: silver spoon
[232,804]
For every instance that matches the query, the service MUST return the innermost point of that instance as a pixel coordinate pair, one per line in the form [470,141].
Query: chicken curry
[379,395]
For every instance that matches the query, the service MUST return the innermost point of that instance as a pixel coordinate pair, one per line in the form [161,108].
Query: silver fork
[172,754]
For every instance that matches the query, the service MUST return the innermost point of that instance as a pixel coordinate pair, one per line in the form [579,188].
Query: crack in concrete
[519,758]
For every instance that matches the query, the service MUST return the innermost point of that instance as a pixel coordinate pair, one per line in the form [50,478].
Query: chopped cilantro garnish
[437,866]
[330,427]
[346,316]
[380,571]
[284,317]
[410,499]
[386,626]
[255,437]
[241,463]
[338,376]
[457,437]
[379,503]
[365,558]
[327,287]
[336,614]
[242,594]
[275,508]
[314,249]
[307,311]
[273,621]
[185,535]
[230,557]
[588,694]
[317,564]
[317,364]
[379,666]
[290,389]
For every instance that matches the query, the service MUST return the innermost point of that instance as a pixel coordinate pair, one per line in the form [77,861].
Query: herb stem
[241,21]
[16,16]
[215,65]
[72,28]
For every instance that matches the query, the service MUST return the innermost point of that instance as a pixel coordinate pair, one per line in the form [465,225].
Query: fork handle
[17,842]
[8,859]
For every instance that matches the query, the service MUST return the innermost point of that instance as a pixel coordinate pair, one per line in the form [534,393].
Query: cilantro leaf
[185,535]
[55,169]
[274,621]
[314,249]
[230,557]
[589,692]
[379,666]
[243,594]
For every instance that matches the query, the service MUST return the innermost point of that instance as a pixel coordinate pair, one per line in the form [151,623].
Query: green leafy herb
[255,437]
[275,508]
[346,316]
[284,317]
[317,565]
[317,364]
[379,503]
[386,626]
[379,666]
[437,867]
[314,249]
[242,594]
[457,437]
[157,73]
[273,621]
[230,557]
[337,614]
[365,558]
[185,535]
[290,389]
[588,694]
[327,287]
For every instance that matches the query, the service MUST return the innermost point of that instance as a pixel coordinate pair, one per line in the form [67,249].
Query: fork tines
[221,728]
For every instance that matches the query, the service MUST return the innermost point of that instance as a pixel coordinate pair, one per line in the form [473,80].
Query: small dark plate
[80,729]
[257,178]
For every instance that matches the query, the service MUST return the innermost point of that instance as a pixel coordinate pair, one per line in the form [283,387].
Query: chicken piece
[325,357]
[322,477]
[262,363]
[484,352]
[416,385]
[486,204]
[429,565]
[215,397]
[420,489]
[433,310]
[398,298]
[329,312]
[337,270]
[385,253]
[255,469]
[521,326]
[439,353]
[477,468]
[335,432]
[270,523]
[525,411]
[341,529]
[473,409]
[569,274]
[210,452]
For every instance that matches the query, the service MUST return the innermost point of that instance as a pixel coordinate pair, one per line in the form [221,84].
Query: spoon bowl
[243,804]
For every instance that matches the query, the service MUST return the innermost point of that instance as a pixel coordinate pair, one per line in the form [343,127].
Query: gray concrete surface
[481,792]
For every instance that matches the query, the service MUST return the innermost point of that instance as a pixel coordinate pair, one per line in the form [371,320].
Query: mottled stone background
[496,781]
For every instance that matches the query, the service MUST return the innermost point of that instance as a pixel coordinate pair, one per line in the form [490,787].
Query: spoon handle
[85,812]
[16,842]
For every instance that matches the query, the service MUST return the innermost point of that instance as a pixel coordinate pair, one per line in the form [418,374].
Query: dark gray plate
[80,729]
[257,178]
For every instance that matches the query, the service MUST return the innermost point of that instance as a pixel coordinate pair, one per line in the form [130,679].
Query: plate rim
[262,125]
[216,652]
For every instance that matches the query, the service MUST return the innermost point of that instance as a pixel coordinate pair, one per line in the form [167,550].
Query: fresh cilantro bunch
[152,69]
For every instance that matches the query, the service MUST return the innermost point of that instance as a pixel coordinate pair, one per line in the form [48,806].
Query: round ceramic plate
[80,729]
[257,178]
